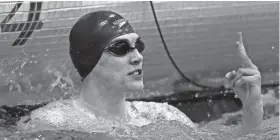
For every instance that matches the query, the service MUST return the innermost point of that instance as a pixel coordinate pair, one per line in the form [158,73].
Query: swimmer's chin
[135,86]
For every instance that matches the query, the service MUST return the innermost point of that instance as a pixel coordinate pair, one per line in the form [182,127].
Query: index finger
[241,51]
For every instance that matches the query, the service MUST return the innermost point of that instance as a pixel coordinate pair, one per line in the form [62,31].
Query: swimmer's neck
[100,99]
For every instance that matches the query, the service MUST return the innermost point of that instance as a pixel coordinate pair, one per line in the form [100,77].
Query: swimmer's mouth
[136,72]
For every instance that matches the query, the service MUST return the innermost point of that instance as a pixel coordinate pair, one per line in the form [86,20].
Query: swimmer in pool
[106,52]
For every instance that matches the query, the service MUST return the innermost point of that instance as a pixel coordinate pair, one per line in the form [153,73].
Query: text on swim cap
[120,22]
[103,23]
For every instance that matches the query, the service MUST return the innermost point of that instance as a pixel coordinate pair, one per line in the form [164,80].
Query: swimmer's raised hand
[246,83]
[247,78]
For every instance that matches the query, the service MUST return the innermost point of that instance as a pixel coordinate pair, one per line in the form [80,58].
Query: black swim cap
[91,34]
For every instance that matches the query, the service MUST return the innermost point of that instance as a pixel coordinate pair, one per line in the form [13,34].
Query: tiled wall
[200,35]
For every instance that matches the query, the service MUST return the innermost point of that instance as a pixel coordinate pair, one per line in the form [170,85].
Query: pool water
[164,130]
[27,82]
[220,129]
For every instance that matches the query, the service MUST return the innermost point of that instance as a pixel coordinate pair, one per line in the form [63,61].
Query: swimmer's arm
[252,116]
[246,83]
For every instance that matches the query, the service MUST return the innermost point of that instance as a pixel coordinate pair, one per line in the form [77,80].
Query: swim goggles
[122,47]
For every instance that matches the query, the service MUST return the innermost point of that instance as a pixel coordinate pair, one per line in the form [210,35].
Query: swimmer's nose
[136,57]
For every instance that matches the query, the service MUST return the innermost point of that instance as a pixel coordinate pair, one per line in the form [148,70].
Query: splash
[29,74]
[156,131]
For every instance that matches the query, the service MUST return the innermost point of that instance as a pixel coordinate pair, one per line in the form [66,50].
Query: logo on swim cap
[103,23]
[120,22]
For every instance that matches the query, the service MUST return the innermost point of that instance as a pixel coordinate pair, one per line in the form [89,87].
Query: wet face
[120,66]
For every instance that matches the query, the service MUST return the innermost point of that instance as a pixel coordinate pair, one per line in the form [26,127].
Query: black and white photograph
[139,70]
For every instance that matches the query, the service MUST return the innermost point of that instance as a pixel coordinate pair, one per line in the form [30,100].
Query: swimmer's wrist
[253,109]
[253,105]
[254,98]
[252,116]
[256,107]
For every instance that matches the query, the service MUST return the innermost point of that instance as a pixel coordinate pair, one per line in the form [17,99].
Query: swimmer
[106,52]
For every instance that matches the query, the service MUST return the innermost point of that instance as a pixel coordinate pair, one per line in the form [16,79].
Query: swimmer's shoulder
[159,111]
[47,117]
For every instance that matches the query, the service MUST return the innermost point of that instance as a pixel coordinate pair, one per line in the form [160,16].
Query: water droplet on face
[272,47]
[235,96]
[196,95]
